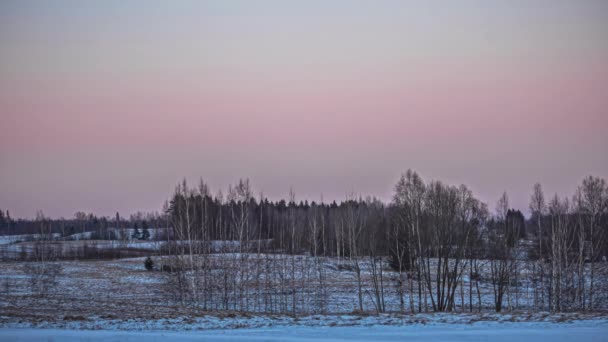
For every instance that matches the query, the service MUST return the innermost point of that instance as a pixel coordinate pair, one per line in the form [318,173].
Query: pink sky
[106,107]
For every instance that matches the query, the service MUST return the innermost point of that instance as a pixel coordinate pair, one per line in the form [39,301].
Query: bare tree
[561,243]
[502,242]
[43,270]
[353,220]
[594,206]
[538,209]
[409,199]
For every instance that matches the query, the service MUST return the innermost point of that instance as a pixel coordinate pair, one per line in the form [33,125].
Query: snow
[79,236]
[10,239]
[595,330]
[118,287]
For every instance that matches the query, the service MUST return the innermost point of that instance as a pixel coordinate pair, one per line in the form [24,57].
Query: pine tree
[136,234]
[8,221]
[145,234]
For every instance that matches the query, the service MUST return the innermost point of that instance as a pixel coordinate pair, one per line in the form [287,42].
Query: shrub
[149,264]
[42,277]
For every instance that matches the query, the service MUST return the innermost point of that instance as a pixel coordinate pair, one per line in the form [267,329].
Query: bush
[400,262]
[345,267]
[42,277]
[149,264]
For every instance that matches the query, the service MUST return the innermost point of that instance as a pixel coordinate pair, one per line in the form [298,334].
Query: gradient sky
[106,105]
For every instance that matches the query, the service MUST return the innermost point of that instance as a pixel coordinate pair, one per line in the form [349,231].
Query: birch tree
[538,209]
[594,205]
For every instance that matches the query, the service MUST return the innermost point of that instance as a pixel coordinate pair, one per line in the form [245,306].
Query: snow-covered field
[20,247]
[124,289]
[10,239]
[584,330]
[118,300]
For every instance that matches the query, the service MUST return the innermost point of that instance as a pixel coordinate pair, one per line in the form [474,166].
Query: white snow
[10,239]
[596,330]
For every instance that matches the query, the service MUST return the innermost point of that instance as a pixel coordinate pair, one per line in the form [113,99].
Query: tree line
[441,242]
[100,226]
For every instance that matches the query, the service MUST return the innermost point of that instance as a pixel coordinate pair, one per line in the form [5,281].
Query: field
[126,301]
[121,294]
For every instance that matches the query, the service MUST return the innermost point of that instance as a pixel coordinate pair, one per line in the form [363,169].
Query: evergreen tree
[136,233]
[145,234]
[8,222]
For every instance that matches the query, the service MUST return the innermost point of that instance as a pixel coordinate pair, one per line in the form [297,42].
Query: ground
[583,330]
[122,289]
[119,300]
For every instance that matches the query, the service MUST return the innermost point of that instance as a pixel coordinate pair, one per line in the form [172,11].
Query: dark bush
[149,264]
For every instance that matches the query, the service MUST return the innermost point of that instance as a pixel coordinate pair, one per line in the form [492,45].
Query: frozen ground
[118,300]
[585,330]
[122,289]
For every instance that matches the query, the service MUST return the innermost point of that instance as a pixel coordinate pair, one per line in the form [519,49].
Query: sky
[106,105]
